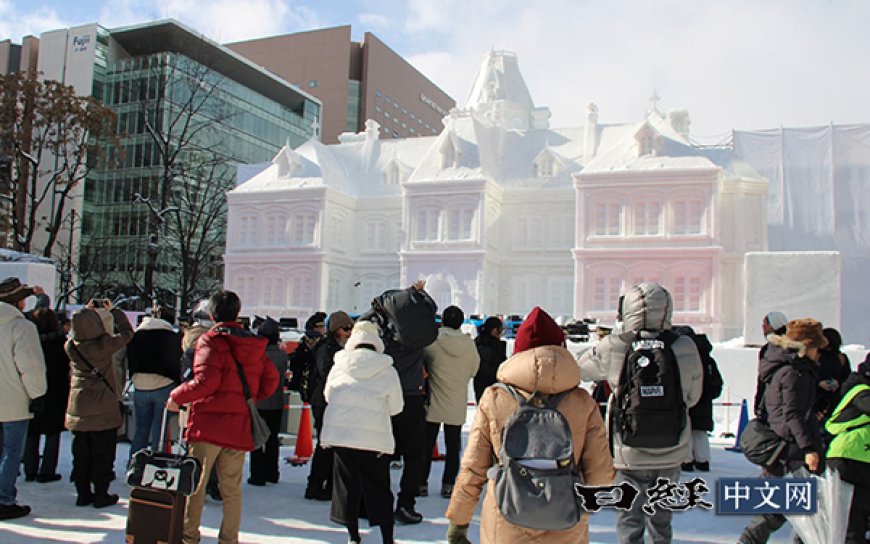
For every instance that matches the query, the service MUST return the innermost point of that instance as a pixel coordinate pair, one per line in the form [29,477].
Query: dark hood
[86,325]
[779,354]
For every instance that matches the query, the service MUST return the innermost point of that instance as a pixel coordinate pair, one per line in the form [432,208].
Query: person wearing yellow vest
[849,452]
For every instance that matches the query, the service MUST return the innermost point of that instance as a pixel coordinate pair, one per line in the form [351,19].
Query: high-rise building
[355,81]
[188,111]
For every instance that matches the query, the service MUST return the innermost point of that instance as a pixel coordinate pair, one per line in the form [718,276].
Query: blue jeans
[14,437]
[148,411]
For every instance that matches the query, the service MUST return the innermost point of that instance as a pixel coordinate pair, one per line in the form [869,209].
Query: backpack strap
[513,392]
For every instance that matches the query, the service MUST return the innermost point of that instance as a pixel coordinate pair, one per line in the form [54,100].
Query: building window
[687,293]
[459,222]
[687,216]
[608,219]
[545,168]
[605,293]
[313,83]
[377,108]
[426,228]
[275,233]
[528,233]
[302,228]
[646,218]
[375,236]
[387,99]
[395,104]
[413,116]
[404,111]
[377,92]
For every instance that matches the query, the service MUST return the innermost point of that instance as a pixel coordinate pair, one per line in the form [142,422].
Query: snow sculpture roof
[499,137]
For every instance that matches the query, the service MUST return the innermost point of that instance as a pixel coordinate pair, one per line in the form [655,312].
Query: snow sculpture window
[687,293]
[275,230]
[688,215]
[646,218]
[274,294]
[301,290]
[546,167]
[608,219]
[459,221]
[394,174]
[605,293]
[375,236]
[528,233]
[246,285]
[302,228]
[527,292]
[426,227]
[335,296]
[248,232]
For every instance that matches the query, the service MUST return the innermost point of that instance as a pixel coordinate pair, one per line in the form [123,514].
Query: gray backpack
[535,476]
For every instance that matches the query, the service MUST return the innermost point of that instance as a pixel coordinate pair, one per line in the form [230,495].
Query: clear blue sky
[733,64]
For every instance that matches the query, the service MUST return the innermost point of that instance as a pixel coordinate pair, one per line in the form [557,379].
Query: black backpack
[649,410]
[407,317]
[534,480]
[301,364]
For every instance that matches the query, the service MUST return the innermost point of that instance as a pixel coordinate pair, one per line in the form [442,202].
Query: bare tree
[51,139]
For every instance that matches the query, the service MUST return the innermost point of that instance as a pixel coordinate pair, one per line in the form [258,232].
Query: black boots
[102,498]
[86,496]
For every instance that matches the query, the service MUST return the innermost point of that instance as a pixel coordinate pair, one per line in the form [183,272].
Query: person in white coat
[22,379]
[452,361]
[362,393]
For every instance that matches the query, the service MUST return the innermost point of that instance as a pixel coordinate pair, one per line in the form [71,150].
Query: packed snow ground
[279,514]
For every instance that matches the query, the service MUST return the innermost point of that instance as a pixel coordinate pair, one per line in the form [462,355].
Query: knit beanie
[270,330]
[338,320]
[537,330]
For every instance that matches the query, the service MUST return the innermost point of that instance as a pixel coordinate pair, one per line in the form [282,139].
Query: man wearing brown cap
[789,371]
[339,325]
[22,379]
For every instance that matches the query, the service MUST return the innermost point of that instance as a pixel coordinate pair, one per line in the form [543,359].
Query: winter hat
[316,320]
[338,320]
[269,330]
[538,329]
[807,331]
[365,332]
[12,290]
[776,320]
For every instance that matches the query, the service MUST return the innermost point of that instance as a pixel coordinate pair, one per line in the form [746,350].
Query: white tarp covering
[770,280]
[819,200]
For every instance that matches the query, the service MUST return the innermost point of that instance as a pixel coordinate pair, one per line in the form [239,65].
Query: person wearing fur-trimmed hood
[789,369]
[362,391]
[540,364]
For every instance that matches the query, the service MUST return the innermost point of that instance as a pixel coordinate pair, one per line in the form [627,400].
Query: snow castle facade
[499,213]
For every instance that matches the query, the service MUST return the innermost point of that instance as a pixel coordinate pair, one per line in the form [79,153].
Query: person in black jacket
[301,362]
[154,359]
[789,372]
[701,414]
[493,352]
[834,369]
[264,462]
[49,421]
[339,325]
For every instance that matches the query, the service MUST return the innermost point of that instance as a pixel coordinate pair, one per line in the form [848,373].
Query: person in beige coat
[451,362]
[540,364]
[93,414]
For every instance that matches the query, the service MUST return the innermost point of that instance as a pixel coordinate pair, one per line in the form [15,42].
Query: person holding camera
[93,413]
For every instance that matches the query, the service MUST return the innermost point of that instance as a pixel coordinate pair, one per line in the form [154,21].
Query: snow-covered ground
[279,514]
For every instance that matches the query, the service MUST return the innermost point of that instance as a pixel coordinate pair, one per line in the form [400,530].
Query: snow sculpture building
[489,210]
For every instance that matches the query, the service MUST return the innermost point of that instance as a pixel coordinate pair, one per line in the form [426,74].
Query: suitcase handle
[164,444]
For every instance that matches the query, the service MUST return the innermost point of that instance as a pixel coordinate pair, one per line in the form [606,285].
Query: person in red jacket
[219,423]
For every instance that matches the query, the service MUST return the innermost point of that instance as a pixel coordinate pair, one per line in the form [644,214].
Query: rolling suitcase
[155,514]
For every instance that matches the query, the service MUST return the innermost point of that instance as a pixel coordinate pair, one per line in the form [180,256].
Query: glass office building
[188,111]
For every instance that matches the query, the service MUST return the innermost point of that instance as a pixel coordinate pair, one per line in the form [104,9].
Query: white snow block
[796,283]
[42,274]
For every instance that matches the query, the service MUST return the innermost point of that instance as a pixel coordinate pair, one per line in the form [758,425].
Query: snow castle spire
[499,93]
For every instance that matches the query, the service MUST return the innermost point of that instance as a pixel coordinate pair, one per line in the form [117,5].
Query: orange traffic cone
[304,446]
[436,455]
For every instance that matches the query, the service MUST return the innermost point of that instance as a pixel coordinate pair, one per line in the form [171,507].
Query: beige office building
[355,81]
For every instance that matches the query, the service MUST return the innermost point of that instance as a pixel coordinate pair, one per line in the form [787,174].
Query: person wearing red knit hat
[540,365]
